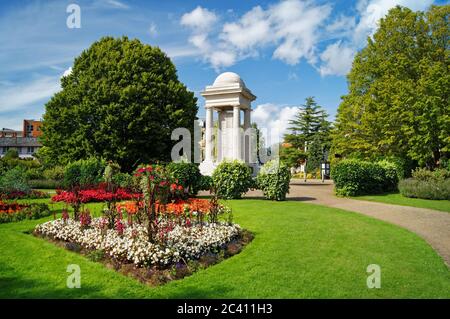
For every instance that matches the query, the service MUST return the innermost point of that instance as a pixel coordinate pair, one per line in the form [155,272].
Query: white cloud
[297,24]
[117,4]
[17,97]
[273,120]
[199,18]
[181,51]
[290,26]
[221,59]
[336,59]
[153,30]
[342,25]
[252,29]
[371,11]
[294,29]
[67,72]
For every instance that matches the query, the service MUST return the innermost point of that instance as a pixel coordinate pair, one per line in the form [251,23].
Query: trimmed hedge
[45,184]
[273,179]
[427,184]
[232,179]
[355,177]
[415,188]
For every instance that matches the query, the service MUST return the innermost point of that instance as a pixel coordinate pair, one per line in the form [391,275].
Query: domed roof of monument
[228,78]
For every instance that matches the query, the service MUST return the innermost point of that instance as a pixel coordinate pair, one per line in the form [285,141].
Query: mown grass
[299,251]
[399,199]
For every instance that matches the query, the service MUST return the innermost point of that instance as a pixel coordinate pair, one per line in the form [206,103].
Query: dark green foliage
[14,180]
[121,102]
[292,156]
[123,180]
[206,183]
[45,184]
[187,174]
[55,173]
[12,153]
[309,129]
[425,189]
[315,155]
[273,179]
[232,179]
[84,173]
[356,177]
[33,173]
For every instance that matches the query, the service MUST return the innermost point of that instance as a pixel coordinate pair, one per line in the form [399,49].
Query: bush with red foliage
[99,194]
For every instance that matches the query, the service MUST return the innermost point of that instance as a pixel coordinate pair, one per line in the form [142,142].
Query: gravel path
[431,225]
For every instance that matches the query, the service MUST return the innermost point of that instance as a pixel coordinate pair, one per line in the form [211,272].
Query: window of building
[30,149]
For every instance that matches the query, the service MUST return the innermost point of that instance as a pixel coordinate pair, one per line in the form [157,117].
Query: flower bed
[12,212]
[33,194]
[191,206]
[131,243]
[93,195]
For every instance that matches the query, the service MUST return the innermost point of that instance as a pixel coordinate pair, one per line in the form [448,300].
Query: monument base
[207,167]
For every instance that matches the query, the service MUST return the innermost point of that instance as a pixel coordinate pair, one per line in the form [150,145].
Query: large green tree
[398,101]
[121,102]
[309,135]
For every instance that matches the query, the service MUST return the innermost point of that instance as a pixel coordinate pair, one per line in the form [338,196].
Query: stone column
[219,135]
[247,118]
[247,135]
[236,132]
[208,134]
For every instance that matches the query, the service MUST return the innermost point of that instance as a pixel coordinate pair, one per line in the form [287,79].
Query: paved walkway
[431,225]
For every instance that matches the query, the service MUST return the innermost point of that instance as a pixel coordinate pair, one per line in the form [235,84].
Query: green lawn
[300,251]
[398,199]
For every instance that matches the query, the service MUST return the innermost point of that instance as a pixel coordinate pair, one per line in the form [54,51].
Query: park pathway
[431,225]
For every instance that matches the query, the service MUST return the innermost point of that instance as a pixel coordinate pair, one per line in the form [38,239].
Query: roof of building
[19,141]
[228,78]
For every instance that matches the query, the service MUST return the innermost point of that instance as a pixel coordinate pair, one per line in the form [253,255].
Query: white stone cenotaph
[229,140]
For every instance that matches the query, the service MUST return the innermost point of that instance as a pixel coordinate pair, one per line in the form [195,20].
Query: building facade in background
[25,142]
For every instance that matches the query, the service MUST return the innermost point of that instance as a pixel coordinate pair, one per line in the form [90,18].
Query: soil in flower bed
[160,275]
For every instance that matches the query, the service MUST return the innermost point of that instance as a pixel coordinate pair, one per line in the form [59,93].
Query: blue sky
[284,50]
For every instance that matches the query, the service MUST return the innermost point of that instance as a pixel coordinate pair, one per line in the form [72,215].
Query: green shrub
[391,174]
[36,211]
[355,177]
[423,174]
[33,173]
[45,184]
[123,180]
[273,179]
[12,153]
[187,174]
[84,173]
[55,173]
[425,189]
[14,180]
[206,183]
[232,179]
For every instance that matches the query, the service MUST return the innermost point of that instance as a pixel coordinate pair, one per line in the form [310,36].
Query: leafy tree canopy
[398,101]
[121,103]
[309,136]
